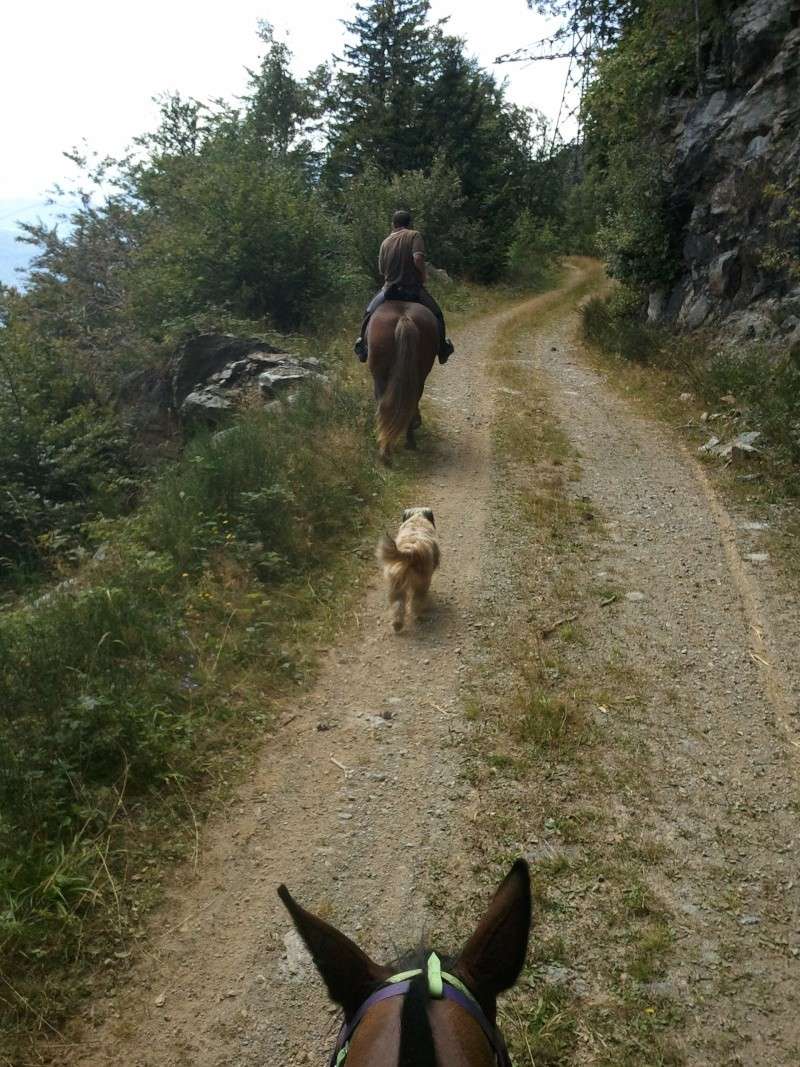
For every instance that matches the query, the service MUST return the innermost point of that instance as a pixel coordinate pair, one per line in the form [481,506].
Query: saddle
[407,293]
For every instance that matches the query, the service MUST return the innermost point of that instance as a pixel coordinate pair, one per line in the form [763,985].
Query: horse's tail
[400,399]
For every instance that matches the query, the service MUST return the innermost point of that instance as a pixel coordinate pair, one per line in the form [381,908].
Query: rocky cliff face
[734,176]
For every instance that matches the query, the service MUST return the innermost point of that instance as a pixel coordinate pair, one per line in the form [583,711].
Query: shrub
[104,688]
[250,236]
[435,201]
[65,455]
[616,324]
[765,383]
[533,252]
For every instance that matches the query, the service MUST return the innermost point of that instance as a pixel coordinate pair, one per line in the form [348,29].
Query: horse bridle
[441,986]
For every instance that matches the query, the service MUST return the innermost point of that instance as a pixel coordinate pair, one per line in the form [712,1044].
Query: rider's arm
[418,252]
[419,263]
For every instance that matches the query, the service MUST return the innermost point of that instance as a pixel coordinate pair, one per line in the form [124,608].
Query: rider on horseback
[401,261]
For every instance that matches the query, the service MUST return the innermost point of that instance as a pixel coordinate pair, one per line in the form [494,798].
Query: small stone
[160,1000]
[757,557]
[634,596]
[749,920]
[710,445]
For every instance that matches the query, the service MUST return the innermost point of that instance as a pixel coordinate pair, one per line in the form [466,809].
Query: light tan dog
[409,562]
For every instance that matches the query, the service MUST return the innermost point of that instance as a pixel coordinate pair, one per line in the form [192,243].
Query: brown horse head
[402,339]
[439,1012]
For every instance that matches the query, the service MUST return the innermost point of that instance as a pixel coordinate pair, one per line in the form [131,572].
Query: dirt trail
[719,635]
[225,981]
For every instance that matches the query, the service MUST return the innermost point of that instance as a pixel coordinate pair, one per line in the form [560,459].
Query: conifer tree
[279,106]
[377,93]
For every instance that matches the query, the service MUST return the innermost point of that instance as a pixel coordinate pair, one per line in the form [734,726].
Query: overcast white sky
[88,69]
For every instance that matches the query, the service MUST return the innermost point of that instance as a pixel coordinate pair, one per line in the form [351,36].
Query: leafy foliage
[65,454]
[533,251]
[115,688]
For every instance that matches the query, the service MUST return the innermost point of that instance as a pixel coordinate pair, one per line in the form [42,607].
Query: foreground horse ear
[349,973]
[494,956]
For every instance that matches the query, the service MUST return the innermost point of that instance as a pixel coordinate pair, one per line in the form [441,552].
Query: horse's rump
[402,339]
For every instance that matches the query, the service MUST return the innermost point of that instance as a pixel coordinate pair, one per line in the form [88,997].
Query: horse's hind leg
[411,441]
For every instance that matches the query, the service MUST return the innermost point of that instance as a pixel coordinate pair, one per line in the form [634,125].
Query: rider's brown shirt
[396,258]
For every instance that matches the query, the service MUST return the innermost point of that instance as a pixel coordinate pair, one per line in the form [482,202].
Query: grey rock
[719,149]
[710,445]
[749,920]
[208,404]
[213,373]
[697,312]
[725,274]
[656,305]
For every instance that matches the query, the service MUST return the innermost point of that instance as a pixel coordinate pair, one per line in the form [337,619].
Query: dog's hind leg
[419,603]
[398,601]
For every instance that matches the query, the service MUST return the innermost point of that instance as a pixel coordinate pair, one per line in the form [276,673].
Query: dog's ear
[428,513]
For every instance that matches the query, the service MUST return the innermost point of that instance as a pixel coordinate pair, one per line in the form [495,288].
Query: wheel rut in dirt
[718,637]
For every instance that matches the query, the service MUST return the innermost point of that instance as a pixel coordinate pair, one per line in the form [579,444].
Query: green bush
[249,236]
[766,384]
[533,253]
[435,201]
[106,686]
[263,487]
[616,324]
[65,455]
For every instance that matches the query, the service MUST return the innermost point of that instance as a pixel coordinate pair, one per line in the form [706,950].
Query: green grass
[566,725]
[763,379]
[132,689]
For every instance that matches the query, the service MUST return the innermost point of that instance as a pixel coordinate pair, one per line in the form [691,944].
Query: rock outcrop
[213,374]
[734,175]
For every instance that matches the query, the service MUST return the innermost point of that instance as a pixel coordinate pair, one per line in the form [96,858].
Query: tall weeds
[116,688]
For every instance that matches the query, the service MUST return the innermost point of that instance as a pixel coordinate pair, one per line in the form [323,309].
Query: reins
[441,986]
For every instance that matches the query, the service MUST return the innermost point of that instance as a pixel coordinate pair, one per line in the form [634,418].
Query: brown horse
[402,340]
[424,1015]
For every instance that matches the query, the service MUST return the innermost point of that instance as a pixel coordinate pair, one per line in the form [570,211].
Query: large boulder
[213,373]
[732,166]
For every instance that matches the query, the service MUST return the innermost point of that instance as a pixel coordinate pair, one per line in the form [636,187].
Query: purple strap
[397,989]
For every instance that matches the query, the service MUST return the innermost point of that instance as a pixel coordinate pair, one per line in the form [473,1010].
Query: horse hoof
[385,459]
[411,444]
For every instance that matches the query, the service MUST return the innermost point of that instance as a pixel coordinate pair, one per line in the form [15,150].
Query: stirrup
[360,350]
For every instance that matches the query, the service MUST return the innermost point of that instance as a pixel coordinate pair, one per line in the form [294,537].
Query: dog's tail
[388,553]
